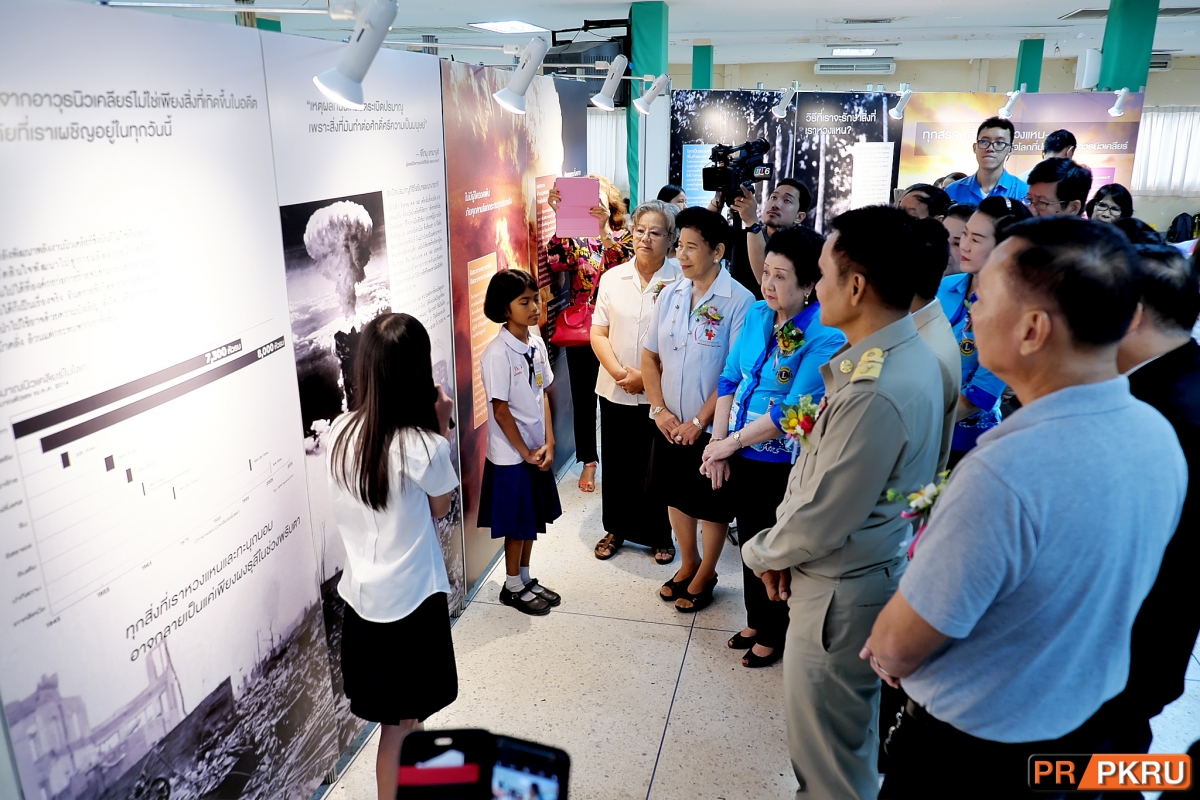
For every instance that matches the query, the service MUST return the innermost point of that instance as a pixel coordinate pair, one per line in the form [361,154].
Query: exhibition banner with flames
[940,127]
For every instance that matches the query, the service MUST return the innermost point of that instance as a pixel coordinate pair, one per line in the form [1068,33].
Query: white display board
[157,569]
[374,180]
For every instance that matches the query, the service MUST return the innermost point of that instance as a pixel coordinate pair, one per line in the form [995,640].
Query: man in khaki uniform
[836,553]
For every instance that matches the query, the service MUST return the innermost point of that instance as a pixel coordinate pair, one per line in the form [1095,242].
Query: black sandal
[753,660]
[537,607]
[611,542]
[664,555]
[739,642]
[550,596]
[678,589]
[701,600]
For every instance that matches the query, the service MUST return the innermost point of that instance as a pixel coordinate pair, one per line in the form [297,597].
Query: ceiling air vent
[866,21]
[1093,14]
[1160,62]
[855,66]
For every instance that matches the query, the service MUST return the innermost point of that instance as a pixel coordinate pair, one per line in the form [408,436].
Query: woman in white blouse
[390,476]
[623,310]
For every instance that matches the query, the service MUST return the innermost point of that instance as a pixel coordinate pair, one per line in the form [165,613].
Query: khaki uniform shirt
[935,329]
[881,429]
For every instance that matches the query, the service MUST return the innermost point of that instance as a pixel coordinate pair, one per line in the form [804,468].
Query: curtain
[1167,161]
[607,146]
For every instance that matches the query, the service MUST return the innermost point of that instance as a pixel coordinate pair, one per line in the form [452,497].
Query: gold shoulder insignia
[869,365]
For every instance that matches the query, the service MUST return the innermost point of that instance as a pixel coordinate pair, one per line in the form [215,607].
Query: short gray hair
[664,210]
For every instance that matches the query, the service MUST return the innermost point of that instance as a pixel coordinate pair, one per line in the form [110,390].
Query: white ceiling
[750,31]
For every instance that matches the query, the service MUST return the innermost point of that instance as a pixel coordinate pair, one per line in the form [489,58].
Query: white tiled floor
[648,702]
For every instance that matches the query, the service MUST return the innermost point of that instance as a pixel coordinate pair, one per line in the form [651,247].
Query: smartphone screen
[475,764]
[527,771]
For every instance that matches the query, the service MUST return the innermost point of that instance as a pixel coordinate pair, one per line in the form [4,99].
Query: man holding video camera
[786,206]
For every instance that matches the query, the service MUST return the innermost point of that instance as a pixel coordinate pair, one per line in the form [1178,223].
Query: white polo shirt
[625,308]
[518,374]
[393,559]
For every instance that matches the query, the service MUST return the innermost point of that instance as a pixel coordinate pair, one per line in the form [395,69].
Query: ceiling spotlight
[513,96]
[642,104]
[781,108]
[510,27]
[1007,110]
[343,83]
[604,100]
[1118,109]
[897,112]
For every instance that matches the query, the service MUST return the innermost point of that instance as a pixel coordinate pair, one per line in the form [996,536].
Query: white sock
[514,584]
[525,577]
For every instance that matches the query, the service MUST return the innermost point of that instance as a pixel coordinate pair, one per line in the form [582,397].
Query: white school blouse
[517,373]
[393,559]
[625,308]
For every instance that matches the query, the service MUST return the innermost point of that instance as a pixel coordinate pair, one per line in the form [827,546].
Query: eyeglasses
[1042,205]
[1109,208]
[987,144]
[642,233]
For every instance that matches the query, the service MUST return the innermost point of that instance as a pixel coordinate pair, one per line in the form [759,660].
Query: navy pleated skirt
[517,501]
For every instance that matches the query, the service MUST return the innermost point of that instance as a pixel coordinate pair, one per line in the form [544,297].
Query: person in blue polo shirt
[774,363]
[979,403]
[992,146]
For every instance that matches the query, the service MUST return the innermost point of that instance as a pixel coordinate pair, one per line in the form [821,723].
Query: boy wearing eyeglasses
[992,146]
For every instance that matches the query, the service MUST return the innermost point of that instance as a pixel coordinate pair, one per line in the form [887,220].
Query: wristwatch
[657,410]
[757,227]
[697,423]
[737,437]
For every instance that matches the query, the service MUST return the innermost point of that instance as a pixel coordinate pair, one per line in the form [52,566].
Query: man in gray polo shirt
[1012,624]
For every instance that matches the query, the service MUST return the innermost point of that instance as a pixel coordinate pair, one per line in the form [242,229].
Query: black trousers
[583,366]
[758,488]
[930,758]
[631,511]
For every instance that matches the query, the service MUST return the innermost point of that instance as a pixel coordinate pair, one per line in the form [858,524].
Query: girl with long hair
[390,477]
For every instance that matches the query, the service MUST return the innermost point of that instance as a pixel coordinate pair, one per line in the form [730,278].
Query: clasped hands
[716,460]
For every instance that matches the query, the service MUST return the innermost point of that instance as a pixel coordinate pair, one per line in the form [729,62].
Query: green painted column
[648,32]
[1029,65]
[1128,43]
[702,66]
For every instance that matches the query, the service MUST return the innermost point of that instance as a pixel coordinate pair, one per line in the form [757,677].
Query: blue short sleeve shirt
[692,341]
[979,385]
[765,380]
[969,191]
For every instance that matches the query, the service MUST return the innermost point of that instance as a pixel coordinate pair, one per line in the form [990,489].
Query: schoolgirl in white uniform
[518,497]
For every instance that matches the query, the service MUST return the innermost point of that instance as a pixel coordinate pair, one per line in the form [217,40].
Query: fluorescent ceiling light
[853,51]
[511,26]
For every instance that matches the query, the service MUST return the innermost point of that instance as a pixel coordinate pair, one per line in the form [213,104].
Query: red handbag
[574,326]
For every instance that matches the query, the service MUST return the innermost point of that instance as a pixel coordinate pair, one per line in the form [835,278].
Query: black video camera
[735,166]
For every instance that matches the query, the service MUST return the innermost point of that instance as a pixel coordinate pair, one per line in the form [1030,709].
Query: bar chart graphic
[115,478]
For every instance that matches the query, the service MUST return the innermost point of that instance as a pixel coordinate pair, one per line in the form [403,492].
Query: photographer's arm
[756,243]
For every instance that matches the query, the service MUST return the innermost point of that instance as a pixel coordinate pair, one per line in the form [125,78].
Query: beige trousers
[831,696]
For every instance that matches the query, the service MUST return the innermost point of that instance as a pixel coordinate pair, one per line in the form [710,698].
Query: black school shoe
[550,596]
[537,607]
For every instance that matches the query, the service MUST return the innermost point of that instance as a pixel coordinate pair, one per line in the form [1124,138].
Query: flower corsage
[790,338]
[920,504]
[799,420]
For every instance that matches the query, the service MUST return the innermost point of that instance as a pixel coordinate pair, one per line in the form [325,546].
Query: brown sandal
[588,486]
[610,543]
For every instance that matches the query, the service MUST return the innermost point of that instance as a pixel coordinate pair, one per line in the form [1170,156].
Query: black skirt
[675,476]
[400,670]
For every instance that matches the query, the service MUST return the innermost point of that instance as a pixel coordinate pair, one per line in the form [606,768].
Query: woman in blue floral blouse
[586,260]
[774,364]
